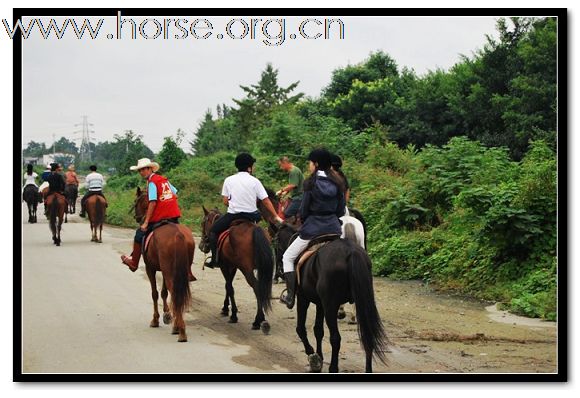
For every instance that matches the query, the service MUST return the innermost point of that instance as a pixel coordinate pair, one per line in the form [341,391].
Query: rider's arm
[268,204]
[288,188]
[226,201]
[347,195]
[150,210]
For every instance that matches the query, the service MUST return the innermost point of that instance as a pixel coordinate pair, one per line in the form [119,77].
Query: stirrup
[208,263]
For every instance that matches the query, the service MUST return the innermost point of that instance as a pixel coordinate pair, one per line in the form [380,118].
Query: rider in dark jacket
[322,206]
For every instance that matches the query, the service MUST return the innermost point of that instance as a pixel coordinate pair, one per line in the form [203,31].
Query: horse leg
[341,312]
[226,308]
[260,317]
[155,296]
[230,287]
[100,233]
[319,329]
[302,310]
[332,324]
[166,310]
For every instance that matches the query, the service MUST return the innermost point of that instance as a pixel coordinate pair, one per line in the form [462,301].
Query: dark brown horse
[339,272]
[96,209]
[31,196]
[71,192]
[56,205]
[246,248]
[170,251]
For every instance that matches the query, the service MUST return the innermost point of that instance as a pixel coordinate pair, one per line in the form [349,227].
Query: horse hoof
[175,330]
[100,241]
[265,327]
[352,321]
[315,363]
[255,326]
[167,318]
[224,313]
[182,339]
[154,324]
[233,320]
[341,314]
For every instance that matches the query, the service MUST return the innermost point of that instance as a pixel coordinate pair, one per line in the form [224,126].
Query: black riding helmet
[320,156]
[335,161]
[244,161]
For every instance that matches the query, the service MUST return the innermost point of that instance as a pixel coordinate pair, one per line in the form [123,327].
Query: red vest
[167,206]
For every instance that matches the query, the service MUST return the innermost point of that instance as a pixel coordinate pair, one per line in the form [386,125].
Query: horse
[56,207]
[31,196]
[71,192]
[337,273]
[96,210]
[247,248]
[170,251]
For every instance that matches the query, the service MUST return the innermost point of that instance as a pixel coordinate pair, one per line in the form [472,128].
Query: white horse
[352,229]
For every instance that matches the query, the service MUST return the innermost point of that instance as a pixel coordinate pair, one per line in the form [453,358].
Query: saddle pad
[146,243]
[309,252]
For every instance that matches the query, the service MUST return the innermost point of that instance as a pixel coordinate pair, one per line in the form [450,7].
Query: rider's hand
[279,193]
[144,226]
[278,220]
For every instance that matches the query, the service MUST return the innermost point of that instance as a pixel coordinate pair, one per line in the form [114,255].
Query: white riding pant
[292,252]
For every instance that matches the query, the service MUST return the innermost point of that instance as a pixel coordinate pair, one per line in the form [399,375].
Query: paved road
[83,311]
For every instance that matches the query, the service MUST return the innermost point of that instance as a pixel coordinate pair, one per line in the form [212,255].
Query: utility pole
[53,146]
[85,148]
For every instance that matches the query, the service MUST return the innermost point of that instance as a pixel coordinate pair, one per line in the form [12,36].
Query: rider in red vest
[162,206]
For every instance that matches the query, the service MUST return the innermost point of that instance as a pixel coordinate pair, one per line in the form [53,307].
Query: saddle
[312,249]
[147,237]
[223,236]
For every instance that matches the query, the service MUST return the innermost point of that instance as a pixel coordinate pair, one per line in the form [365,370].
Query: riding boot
[133,261]
[82,213]
[290,278]
[212,263]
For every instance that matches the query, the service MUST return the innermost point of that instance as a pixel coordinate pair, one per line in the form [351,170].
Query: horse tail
[181,295]
[349,232]
[370,328]
[265,265]
[53,210]
[99,213]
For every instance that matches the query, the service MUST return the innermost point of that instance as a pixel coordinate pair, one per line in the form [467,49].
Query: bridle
[209,219]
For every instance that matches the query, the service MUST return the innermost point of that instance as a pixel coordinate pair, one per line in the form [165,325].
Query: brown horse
[170,251]
[56,205]
[246,248]
[71,192]
[96,209]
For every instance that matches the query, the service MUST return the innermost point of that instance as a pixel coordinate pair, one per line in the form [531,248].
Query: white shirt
[242,190]
[30,179]
[95,181]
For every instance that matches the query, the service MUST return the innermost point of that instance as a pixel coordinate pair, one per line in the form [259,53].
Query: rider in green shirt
[294,187]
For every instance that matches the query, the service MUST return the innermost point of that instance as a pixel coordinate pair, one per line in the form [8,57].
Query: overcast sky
[155,87]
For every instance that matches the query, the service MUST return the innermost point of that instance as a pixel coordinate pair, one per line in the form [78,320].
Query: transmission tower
[85,148]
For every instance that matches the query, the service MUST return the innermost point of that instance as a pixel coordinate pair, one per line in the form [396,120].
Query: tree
[126,150]
[35,149]
[171,154]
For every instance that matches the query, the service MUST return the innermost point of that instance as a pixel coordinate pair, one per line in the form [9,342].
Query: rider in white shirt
[94,182]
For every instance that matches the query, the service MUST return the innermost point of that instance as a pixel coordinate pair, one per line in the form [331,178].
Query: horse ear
[138,191]
[205,210]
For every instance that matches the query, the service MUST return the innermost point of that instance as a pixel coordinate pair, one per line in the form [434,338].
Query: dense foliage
[455,171]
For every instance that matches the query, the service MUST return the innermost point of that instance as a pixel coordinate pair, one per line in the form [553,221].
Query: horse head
[140,205]
[209,218]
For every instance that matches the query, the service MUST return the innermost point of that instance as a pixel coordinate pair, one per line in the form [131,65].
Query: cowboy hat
[145,162]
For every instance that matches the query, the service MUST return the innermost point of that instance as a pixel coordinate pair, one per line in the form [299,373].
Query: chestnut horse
[56,205]
[170,251]
[96,209]
[246,248]
[337,273]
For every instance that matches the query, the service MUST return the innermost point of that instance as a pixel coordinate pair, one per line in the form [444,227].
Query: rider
[46,173]
[71,176]
[55,183]
[322,205]
[295,182]
[240,193]
[94,183]
[30,176]
[162,206]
